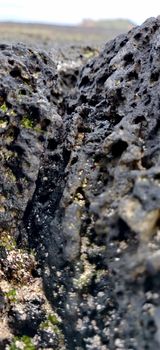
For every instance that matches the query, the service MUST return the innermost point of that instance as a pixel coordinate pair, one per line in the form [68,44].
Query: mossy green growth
[4,108]
[26,122]
[51,322]
[53,319]
[24,343]
[11,295]
[8,242]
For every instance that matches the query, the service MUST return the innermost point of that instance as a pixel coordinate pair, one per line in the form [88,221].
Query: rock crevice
[80,212]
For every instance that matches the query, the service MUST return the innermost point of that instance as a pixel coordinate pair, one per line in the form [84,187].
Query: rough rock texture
[81,197]
[30,95]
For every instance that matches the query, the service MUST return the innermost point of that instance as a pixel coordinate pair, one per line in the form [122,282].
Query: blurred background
[49,23]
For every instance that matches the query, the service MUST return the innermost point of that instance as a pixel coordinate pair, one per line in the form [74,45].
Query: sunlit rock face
[81,195]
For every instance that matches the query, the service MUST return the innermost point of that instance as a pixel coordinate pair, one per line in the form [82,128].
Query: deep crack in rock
[81,189]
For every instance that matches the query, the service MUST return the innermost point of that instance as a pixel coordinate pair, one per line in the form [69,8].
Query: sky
[74,11]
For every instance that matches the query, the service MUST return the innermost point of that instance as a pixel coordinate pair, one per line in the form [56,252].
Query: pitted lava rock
[81,188]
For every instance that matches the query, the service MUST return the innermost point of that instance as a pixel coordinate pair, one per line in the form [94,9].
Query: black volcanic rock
[80,189]
[28,90]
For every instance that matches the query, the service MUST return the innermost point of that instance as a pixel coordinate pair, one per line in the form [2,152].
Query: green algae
[23,342]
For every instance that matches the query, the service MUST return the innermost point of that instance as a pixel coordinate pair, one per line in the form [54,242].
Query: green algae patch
[11,295]
[24,343]
[7,241]
[27,123]
[51,321]
[4,108]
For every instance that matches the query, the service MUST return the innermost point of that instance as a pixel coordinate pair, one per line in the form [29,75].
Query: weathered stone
[139,220]
[80,187]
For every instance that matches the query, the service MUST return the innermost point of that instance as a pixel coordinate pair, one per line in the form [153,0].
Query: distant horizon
[72,13]
[15,21]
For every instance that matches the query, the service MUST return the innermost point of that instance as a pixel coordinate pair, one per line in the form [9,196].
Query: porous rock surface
[80,211]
